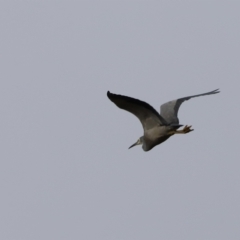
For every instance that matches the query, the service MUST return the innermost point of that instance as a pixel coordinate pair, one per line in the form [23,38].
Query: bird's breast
[157,132]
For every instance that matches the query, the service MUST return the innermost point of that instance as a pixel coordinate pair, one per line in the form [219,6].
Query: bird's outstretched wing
[169,110]
[147,115]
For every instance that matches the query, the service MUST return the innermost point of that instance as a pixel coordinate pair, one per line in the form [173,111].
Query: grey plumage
[157,127]
[169,110]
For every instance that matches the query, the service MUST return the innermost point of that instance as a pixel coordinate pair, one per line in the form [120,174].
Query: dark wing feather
[147,115]
[170,109]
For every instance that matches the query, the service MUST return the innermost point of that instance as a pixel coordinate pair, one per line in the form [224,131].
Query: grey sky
[65,168]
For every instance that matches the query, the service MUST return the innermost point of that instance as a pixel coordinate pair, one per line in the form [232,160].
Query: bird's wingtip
[109,94]
[215,91]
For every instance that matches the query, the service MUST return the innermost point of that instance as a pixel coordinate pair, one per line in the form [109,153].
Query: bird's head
[139,142]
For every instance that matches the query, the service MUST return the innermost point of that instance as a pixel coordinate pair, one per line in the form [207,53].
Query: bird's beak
[135,144]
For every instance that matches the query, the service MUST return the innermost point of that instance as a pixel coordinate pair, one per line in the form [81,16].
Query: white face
[137,143]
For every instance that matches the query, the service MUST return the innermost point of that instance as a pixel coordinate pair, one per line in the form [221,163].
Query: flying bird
[157,127]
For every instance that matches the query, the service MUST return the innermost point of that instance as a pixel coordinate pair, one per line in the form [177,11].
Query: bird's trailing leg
[186,129]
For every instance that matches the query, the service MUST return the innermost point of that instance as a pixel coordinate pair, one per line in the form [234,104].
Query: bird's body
[157,127]
[155,136]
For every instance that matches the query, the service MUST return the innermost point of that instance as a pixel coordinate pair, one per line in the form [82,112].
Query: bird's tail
[176,126]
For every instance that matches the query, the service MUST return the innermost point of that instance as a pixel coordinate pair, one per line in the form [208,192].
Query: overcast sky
[65,168]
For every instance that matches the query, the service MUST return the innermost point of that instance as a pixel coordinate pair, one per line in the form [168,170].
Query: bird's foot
[187,129]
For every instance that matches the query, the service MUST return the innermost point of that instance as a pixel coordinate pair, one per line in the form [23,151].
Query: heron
[157,127]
